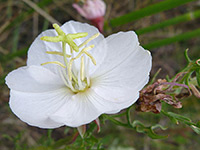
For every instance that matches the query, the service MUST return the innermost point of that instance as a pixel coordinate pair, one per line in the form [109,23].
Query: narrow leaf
[147,11]
[176,38]
[179,117]
[141,128]
[196,129]
[179,19]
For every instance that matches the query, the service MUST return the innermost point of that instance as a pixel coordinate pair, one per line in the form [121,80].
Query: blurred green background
[165,27]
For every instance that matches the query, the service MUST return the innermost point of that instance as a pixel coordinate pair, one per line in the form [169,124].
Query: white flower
[46,97]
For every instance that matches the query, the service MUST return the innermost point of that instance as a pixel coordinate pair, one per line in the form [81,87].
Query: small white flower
[50,95]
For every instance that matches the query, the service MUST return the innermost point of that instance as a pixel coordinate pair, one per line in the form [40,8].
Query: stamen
[87,72]
[82,69]
[84,50]
[69,68]
[92,58]
[88,40]
[54,62]
[80,85]
[57,53]
[63,78]
[69,82]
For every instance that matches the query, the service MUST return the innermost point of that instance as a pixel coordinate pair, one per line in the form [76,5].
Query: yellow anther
[54,62]
[88,40]
[78,35]
[57,53]
[82,69]
[58,29]
[51,39]
[92,58]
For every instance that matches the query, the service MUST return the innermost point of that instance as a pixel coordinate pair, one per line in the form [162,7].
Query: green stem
[147,11]
[186,56]
[119,115]
[128,111]
[177,38]
[182,18]
[116,121]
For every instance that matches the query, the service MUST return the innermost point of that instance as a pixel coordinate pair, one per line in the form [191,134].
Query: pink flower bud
[93,10]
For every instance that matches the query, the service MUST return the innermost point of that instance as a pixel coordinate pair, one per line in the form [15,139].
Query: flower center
[75,80]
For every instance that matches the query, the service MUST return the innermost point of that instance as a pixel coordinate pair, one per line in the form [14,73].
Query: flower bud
[93,10]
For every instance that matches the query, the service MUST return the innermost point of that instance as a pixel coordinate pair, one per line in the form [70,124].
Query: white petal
[33,79]
[111,101]
[124,72]
[77,111]
[126,64]
[36,108]
[85,107]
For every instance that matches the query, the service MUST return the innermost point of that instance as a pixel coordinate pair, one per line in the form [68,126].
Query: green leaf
[137,122]
[196,129]
[185,120]
[179,117]
[147,11]
[141,128]
[174,120]
[149,132]
[158,126]
[179,19]
[176,38]
[153,135]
